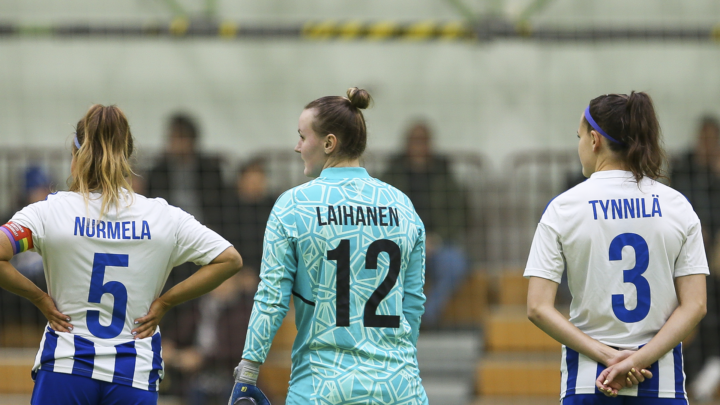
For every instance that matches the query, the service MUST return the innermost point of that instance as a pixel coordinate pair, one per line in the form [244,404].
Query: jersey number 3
[341,254]
[98,289]
[634,276]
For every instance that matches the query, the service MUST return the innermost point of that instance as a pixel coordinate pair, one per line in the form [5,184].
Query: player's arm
[692,306]
[546,265]
[272,301]
[414,299]
[206,279]
[542,312]
[16,283]
[690,270]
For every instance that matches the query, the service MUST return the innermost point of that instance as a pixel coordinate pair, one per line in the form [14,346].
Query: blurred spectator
[702,349]
[247,211]
[191,180]
[186,178]
[425,177]
[16,310]
[205,347]
[36,187]
[696,174]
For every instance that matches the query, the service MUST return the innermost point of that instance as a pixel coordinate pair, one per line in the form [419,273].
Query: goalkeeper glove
[245,391]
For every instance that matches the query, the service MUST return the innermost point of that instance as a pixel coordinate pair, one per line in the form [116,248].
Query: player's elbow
[695,309]
[236,261]
[701,309]
[231,260]
[534,312]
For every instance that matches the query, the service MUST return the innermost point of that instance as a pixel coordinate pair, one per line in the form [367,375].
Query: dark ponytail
[631,120]
[341,116]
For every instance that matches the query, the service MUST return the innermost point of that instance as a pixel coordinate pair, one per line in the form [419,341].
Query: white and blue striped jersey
[622,244]
[104,273]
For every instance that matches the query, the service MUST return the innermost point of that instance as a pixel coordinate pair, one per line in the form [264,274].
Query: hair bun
[359,98]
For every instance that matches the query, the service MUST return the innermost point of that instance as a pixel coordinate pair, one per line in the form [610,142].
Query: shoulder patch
[20,237]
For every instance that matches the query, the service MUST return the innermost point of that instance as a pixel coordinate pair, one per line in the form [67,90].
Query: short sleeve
[692,259]
[546,258]
[195,242]
[30,218]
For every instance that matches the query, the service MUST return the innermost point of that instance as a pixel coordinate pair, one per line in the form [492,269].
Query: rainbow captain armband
[20,237]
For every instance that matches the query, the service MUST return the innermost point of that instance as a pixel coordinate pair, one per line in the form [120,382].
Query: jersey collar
[612,174]
[344,172]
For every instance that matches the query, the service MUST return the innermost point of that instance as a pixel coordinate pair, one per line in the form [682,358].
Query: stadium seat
[512,288]
[15,366]
[521,363]
[468,306]
[509,330]
[519,374]
[529,400]
[21,335]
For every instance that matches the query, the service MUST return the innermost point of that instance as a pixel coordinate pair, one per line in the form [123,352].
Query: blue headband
[77,144]
[596,127]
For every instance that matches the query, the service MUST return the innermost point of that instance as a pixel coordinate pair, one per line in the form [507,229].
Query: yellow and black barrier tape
[355,30]
[385,30]
[715,33]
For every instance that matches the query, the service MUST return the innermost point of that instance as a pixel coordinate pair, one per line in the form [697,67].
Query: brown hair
[341,116]
[631,120]
[102,163]
[184,125]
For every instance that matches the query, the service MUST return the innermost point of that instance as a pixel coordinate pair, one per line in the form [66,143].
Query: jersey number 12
[341,254]
[633,276]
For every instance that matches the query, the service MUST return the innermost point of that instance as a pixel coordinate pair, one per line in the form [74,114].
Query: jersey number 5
[341,254]
[634,276]
[98,289]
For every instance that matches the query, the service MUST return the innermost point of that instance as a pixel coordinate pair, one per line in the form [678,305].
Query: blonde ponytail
[102,161]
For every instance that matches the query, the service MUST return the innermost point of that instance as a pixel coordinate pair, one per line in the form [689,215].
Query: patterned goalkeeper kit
[350,251]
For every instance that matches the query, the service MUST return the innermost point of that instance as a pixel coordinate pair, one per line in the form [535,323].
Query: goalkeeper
[351,250]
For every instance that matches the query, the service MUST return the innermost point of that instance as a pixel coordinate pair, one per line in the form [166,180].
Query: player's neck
[342,163]
[604,164]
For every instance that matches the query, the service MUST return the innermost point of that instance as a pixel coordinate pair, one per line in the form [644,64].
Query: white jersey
[105,273]
[623,244]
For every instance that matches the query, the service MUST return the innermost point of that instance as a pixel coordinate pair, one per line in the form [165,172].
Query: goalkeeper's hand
[245,391]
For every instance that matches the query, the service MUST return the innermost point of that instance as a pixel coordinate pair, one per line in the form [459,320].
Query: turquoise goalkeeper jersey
[351,250]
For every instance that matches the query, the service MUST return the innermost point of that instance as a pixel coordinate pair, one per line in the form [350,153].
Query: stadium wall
[495,97]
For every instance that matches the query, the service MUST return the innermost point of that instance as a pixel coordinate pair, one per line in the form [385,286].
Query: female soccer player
[636,264]
[350,249]
[107,253]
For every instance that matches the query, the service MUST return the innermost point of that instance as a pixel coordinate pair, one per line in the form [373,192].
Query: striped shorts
[135,363]
[579,373]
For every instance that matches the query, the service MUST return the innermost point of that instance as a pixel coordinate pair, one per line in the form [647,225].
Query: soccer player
[349,249]
[107,253]
[635,260]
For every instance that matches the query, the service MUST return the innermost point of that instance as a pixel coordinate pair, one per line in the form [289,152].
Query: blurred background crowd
[476,107]
[203,340]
